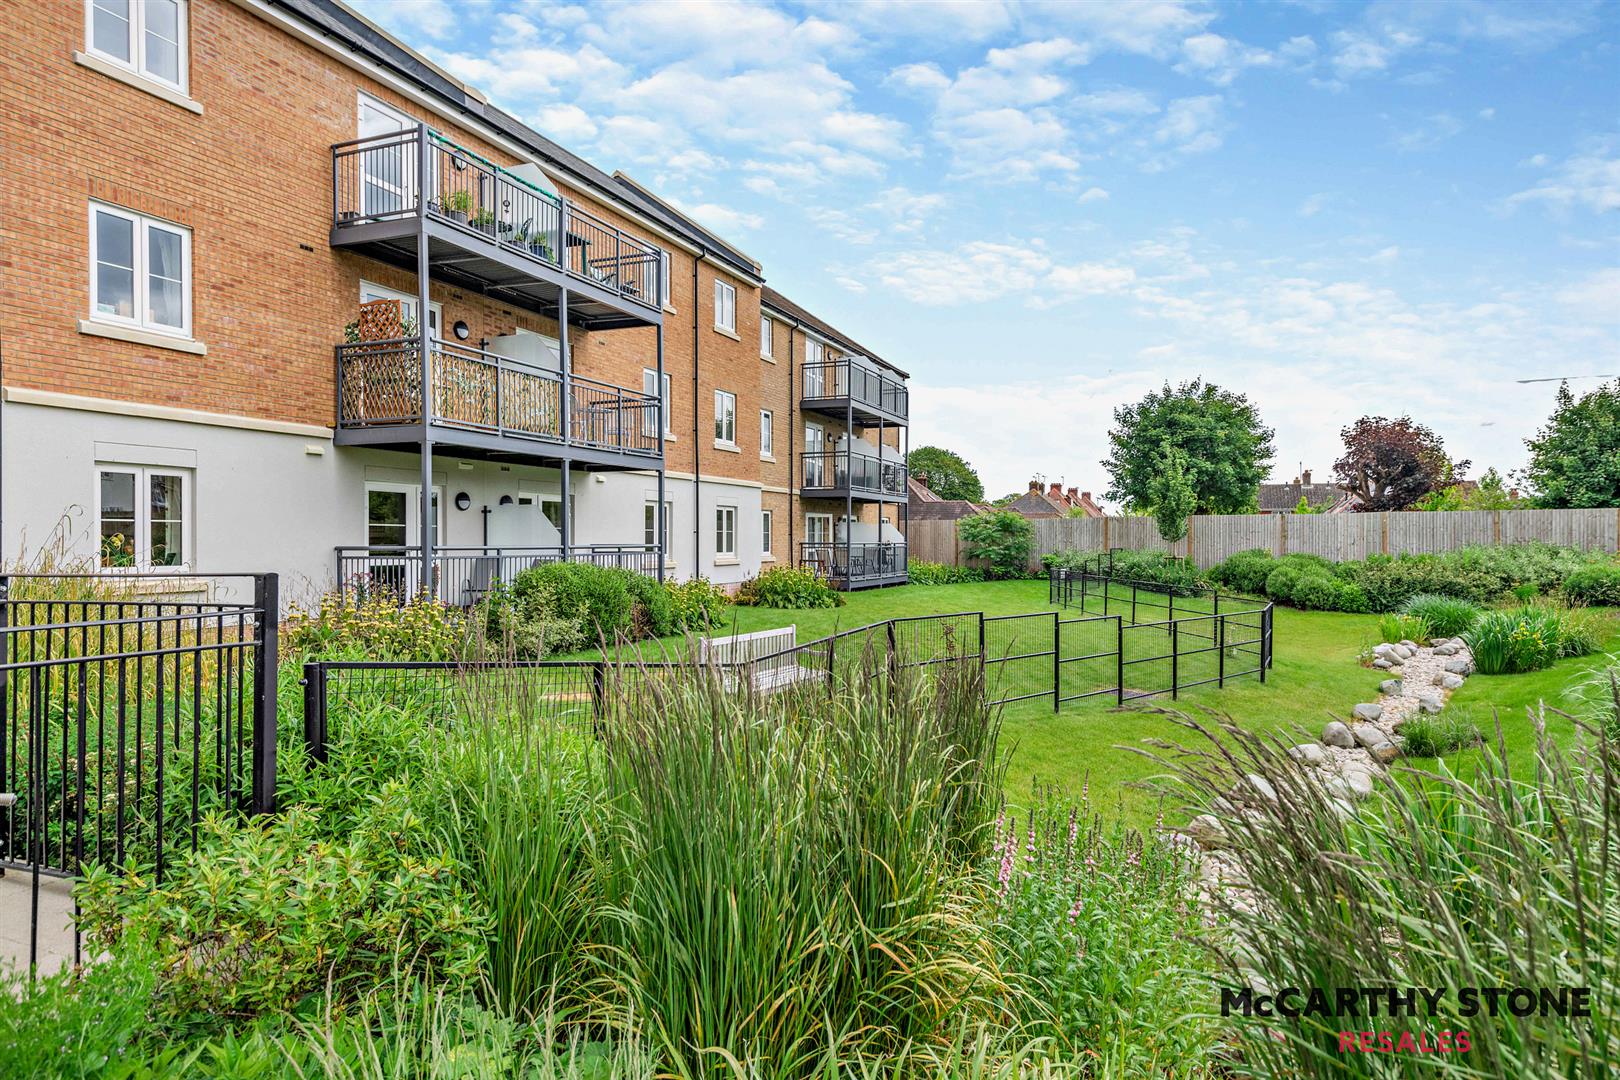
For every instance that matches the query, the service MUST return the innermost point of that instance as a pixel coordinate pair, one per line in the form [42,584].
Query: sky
[1043,210]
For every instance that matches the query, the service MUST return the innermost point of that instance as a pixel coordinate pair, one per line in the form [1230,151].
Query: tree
[945,473]
[1173,497]
[1391,464]
[1227,450]
[1003,538]
[1491,493]
[1575,458]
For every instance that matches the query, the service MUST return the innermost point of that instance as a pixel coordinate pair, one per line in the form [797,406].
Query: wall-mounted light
[462,331]
[506,500]
[463,500]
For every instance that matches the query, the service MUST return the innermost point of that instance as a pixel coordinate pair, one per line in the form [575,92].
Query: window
[665,296]
[725,532]
[725,307]
[393,514]
[146,36]
[765,532]
[143,519]
[649,386]
[767,437]
[815,456]
[818,528]
[725,418]
[649,525]
[815,375]
[140,271]
[765,348]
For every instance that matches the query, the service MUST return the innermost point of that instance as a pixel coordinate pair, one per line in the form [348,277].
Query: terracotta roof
[769,297]
[926,506]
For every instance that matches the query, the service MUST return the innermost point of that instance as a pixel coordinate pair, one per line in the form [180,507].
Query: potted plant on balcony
[483,219]
[533,239]
[456,205]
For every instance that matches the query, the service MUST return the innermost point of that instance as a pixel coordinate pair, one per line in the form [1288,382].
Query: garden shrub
[1595,584]
[267,912]
[1305,585]
[1445,616]
[1581,631]
[698,604]
[599,596]
[1004,539]
[77,1022]
[921,572]
[529,625]
[377,627]
[1596,699]
[1179,576]
[789,587]
[1435,736]
[652,611]
[1245,572]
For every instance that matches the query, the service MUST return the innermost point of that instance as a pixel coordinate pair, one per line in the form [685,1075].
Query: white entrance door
[407,305]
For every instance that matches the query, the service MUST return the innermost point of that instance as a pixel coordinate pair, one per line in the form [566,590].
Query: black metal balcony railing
[464,575]
[843,378]
[853,565]
[862,474]
[380,385]
[385,178]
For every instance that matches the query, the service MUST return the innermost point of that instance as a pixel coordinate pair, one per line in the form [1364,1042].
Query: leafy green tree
[1575,458]
[1227,449]
[1173,497]
[945,473]
[1491,493]
[1304,506]
[1002,538]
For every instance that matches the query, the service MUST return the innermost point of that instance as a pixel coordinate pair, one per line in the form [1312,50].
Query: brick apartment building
[239,237]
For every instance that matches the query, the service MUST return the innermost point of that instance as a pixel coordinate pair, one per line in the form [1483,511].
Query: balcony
[856,566]
[488,229]
[854,387]
[481,401]
[462,576]
[836,474]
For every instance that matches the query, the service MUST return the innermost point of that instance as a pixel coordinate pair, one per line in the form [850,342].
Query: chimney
[1072,493]
[1305,477]
[1057,490]
[1034,485]
[1085,496]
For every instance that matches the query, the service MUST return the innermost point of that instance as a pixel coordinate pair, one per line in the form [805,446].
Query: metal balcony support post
[567,516]
[567,363]
[660,526]
[424,341]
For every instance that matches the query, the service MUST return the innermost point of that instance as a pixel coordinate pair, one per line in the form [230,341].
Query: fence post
[1265,641]
[599,690]
[1133,603]
[267,599]
[1119,660]
[1175,667]
[1057,662]
[1220,651]
[315,711]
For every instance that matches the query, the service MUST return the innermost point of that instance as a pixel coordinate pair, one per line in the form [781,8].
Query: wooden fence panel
[1590,529]
[1217,537]
[932,541]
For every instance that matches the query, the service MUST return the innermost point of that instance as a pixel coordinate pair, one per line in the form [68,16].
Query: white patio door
[393,527]
[815,459]
[388,172]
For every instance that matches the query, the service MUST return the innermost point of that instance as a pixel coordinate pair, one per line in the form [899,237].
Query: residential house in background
[1054,502]
[1322,498]
[296,299]
[924,505]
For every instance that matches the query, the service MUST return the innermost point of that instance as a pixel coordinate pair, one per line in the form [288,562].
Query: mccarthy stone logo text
[1403,1001]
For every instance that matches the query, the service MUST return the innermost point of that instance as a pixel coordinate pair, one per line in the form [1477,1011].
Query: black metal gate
[130,707]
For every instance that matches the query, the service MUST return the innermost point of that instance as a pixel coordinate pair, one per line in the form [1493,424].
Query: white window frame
[809,538]
[649,527]
[765,530]
[725,418]
[408,303]
[666,287]
[648,377]
[137,44]
[143,515]
[767,435]
[767,345]
[815,354]
[725,532]
[725,306]
[413,510]
[142,224]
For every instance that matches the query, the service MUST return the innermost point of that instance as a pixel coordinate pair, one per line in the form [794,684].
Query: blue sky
[1042,210]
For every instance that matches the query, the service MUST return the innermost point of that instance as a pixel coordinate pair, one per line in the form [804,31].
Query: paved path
[55,921]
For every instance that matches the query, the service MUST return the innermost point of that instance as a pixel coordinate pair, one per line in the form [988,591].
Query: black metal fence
[130,707]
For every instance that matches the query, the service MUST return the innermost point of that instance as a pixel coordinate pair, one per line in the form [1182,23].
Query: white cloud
[1192,125]
[1313,204]
[723,220]
[1092,194]
[1149,27]
[935,277]
[1596,296]
[432,18]
[1428,132]
[1220,59]
[1588,179]
[1384,256]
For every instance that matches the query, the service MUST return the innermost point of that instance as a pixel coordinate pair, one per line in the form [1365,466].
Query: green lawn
[1314,674]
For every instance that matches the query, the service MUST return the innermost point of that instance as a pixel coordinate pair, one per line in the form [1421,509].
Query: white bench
[763,657]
